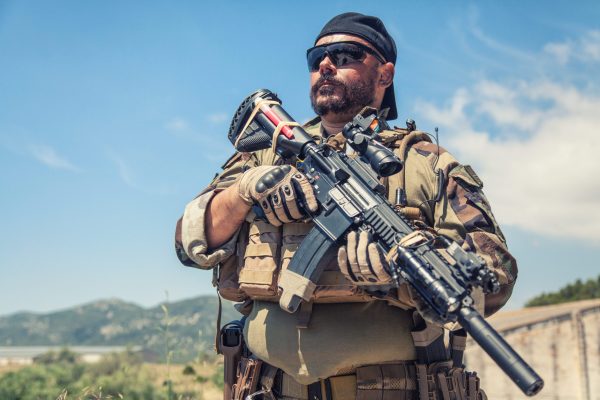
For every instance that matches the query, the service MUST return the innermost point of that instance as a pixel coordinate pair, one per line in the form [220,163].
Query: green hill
[579,290]
[191,326]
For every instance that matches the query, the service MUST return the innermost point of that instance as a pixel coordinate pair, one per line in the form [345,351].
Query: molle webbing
[441,381]
[261,249]
[260,227]
[373,382]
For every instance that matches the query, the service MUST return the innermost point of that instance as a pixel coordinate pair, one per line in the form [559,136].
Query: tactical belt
[398,381]
[385,381]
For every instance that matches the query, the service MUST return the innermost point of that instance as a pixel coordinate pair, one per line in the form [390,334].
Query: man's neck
[333,127]
[334,123]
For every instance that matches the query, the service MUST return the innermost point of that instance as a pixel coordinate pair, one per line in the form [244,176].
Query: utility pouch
[248,377]
[225,278]
[258,276]
[386,382]
[226,274]
[231,345]
[441,381]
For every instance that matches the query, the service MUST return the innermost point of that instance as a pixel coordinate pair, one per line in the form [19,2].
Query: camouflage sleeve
[463,214]
[190,236]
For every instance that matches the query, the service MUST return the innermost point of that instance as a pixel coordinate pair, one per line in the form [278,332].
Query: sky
[113,115]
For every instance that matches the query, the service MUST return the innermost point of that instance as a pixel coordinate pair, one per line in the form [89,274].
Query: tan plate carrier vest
[263,250]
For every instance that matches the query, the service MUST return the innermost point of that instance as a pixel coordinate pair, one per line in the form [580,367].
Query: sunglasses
[340,53]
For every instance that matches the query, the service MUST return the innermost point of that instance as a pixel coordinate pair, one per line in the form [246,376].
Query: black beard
[354,96]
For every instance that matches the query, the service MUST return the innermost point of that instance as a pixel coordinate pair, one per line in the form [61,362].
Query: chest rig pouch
[259,271]
[269,250]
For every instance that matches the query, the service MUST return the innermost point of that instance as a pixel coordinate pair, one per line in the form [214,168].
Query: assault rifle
[351,198]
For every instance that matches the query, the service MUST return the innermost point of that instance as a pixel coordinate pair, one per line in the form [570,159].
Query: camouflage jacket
[462,212]
[339,333]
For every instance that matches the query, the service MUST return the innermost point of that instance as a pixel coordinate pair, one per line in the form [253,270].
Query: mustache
[329,79]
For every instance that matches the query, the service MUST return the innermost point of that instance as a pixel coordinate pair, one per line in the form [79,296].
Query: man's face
[343,91]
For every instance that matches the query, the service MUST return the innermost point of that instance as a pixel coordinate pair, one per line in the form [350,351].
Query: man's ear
[386,74]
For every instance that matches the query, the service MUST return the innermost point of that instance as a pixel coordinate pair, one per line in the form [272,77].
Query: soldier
[345,343]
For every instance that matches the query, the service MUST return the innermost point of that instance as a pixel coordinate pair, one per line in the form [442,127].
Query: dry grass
[11,367]
[186,383]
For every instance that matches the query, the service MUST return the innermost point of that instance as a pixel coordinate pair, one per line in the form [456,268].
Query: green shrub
[579,290]
[189,370]
[115,376]
[64,355]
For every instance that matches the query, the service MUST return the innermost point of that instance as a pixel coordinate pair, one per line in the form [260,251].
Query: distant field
[114,376]
[187,383]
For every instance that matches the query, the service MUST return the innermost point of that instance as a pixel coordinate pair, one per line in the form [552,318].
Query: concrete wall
[562,343]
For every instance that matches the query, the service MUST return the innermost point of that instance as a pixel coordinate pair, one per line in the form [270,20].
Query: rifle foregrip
[500,351]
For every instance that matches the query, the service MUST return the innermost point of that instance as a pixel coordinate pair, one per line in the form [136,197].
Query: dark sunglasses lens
[314,57]
[340,53]
[346,53]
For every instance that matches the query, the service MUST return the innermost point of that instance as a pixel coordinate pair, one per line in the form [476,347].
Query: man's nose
[326,66]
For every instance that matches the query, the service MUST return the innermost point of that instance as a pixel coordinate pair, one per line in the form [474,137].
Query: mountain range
[187,328]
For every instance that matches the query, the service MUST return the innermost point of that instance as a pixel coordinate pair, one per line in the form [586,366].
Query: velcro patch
[473,175]
[465,173]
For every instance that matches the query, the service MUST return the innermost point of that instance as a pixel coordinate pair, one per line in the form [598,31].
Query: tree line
[579,290]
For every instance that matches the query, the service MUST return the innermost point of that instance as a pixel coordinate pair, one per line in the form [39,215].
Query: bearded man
[345,343]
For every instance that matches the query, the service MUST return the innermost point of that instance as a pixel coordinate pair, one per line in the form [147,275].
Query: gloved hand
[426,312]
[361,261]
[278,190]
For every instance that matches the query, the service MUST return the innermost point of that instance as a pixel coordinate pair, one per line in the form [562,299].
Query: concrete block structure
[561,342]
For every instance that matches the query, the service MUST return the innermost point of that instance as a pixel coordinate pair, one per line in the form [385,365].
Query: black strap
[458,339]
[436,349]
[314,391]
[219,312]
[328,392]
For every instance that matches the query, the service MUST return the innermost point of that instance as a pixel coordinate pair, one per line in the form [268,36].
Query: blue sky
[114,114]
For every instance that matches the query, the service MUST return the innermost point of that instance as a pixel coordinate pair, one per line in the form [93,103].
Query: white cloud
[545,178]
[590,45]
[560,51]
[584,49]
[48,156]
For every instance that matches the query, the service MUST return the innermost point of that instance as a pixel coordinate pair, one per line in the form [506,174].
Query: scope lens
[384,164]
